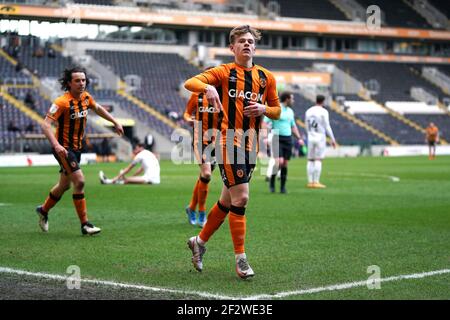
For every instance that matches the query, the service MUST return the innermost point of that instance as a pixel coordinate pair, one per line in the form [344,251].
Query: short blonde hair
[238,31]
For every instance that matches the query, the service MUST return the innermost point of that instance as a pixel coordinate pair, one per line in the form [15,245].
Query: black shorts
[69,164]
[235,172]
[284,147]
[432,143]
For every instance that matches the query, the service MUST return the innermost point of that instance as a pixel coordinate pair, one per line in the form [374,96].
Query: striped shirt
[238,86]
[71,116]
[206,116]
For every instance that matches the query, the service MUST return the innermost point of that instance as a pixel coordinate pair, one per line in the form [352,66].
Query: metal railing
[433,16]
[436,77]
[421,94]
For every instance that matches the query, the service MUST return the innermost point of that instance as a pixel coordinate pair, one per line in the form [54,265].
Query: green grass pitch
[305,239]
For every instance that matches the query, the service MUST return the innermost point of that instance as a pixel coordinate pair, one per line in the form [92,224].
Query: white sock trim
[317,170]
[200,241]
[310,171]
[240,256]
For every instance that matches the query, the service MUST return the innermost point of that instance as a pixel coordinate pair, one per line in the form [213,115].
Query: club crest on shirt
[53,109]
[262,82]
[86,100]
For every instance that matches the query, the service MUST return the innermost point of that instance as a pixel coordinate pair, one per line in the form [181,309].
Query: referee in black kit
[282,131]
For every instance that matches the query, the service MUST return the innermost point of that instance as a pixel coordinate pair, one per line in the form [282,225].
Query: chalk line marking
[347,285]
[363,174]
[335,287]
[114,284]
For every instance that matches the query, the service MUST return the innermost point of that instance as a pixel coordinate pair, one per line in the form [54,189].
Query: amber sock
[194,199]
[202,193]
[80,205]
[50,202]
[238,223]
[216,216]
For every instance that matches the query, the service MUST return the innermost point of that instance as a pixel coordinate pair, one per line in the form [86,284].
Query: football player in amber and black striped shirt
[248,93]
[204,119]
[69,113]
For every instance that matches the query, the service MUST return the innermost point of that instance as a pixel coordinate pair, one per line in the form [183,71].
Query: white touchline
[374,175]
[335,287]
[115,284]
[347,285]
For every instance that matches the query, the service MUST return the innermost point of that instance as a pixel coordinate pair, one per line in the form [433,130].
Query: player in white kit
[317,126]
[149,166]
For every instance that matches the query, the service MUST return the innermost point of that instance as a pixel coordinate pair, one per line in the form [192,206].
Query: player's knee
[241,201]
[78,185]
[225,203]
[206,175]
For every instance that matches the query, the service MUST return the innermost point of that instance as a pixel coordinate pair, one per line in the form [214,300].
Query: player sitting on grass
[149,165]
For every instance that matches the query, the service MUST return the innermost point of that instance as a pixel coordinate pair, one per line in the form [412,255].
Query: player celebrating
[69,112]
[317,126]
[149,166]
[203,117]
[432,138]
[246,88]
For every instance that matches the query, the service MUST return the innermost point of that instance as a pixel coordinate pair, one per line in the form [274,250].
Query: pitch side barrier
[33,160]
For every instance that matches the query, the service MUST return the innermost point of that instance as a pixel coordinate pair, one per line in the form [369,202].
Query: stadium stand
[348,97]
[309,9]
[398,14]
[97,2]
[442,6]
[395,79]
[135,111]
[41,104]
[50,66]
[348,133]
[443,122]
[13,115]
[418,112]
[392,127]
[10,140]
[40,59]
[12,74]
[443,68]
[161,74]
